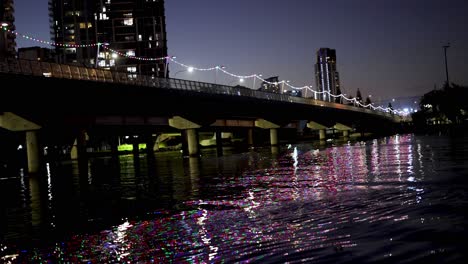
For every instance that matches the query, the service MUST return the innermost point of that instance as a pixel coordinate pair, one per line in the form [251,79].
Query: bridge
[59,102]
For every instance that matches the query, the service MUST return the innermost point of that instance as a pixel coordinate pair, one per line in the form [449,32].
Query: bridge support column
[345,133]
[265,124]
[150,156]
[80,153]
[321,128]
[219,143]
[190,131]
[192,139]
[136,155]
[250,140]
[32,148]
[273,136]
[322,134]
[114,147]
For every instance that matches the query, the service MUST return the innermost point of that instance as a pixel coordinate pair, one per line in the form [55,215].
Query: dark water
[399,199]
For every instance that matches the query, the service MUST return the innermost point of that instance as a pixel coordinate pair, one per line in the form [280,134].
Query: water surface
[399,199]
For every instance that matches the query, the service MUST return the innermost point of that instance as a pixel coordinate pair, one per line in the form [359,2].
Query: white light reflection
[410,159]
[204,235]
[120,238]
[49,193]
[375,162]
[294,156]
[421,166]
[397,156]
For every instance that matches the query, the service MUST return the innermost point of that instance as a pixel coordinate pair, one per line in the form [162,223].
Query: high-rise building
[7,38]
[134,28]
[326,75]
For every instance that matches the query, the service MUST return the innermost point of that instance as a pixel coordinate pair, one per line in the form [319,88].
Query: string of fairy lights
[222,69]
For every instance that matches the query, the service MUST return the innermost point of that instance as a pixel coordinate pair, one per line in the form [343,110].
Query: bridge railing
[55,70]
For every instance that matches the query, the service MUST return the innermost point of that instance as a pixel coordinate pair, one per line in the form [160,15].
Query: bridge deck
[62,71]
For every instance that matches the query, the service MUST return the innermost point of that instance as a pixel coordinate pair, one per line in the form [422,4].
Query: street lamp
[282,85]
[167,66]
[446,66]
[190,69]
[216,72]
[241,80]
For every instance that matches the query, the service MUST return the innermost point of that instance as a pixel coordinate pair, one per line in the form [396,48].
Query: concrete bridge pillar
[321,128]
[250,140]
[13,122]
[265,124]
[80,153]
[32,148]
[114,144]
[192,139]
[273,136]
[322,134]
[219,143]
[344,128]
[345,133]
[190,131]
[136,155]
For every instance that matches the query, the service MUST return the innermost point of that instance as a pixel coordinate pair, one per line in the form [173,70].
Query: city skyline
[389,49]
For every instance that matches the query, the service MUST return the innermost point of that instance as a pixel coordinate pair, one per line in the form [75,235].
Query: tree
[368,101]
[447,105]
[338,99]
[359,96]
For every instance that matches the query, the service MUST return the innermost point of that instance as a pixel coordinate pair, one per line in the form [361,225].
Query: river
[399,199]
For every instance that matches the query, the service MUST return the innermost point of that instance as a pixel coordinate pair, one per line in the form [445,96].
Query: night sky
[388,49]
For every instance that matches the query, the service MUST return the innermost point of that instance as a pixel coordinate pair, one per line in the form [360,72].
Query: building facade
[133,28]
[271,85]
[36,53]
[326,76]
[7,39]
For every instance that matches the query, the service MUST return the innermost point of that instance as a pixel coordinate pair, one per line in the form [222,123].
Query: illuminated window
[83,25]
[128,22]
[130,53]
[131,69]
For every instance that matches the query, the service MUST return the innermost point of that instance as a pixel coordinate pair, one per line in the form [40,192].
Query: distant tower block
[326,75]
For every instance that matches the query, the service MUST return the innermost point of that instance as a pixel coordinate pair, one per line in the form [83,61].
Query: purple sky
[387,48]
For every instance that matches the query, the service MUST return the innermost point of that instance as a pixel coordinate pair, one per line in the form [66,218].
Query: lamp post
[189,69]
[166,70]
[446,65]
[216,73]
[241,80]
[282,85]
[254,78]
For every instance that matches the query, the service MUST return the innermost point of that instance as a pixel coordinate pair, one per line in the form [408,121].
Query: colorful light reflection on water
[384,200]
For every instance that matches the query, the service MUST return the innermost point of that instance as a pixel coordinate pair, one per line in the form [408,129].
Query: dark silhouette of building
[7,39]
[326,75]
[36,53]
[271,85]
[134,28]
